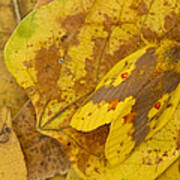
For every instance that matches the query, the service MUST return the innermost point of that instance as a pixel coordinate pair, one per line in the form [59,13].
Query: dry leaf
[45,156]
[12,165]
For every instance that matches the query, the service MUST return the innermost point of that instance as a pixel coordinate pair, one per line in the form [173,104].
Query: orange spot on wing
[128,118]
[157,71]
[113,104]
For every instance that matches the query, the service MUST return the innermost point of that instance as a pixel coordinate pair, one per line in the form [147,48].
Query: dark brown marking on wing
[133,84]
[147,97]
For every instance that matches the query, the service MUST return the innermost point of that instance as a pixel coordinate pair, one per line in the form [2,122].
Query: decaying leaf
[45,156]
[12,165]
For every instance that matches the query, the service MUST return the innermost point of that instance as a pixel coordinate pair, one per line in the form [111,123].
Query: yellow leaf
[62,50]
[172,173]
[12,165]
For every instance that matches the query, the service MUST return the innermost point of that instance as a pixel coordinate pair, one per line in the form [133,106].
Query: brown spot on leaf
[96,170]
[48,68]
[82,161]
[169,22]
[172,25]
[158,160]
[140,7]
[4,134]
[149,34]
[121,143]
[87,82]
[165,154]
[72,25]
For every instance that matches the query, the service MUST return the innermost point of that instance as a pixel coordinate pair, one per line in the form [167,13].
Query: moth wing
[113,94]
[145,118]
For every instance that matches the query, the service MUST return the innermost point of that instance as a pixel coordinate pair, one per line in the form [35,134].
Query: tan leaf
[12,165]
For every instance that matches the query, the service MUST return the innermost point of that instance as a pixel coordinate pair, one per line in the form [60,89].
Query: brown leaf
[44,156]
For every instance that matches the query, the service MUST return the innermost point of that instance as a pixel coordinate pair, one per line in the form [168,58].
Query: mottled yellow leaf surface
[12,164]
[60,52]
[172,173]
[84,40]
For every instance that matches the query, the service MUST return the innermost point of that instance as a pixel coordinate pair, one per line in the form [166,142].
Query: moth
[137,97]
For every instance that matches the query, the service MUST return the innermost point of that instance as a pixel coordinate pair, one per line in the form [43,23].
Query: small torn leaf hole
[61,60]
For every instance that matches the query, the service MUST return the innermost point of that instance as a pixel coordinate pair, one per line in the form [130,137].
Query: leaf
[12,165]
[103,33]
[171,173]
[72,175]
[62,50]
[11,94]
[37,153]
[45,156]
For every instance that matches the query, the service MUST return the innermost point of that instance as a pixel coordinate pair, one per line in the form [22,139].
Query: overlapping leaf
[146,99]
[148,161]
[45,156]
[12,164]
[62,50]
